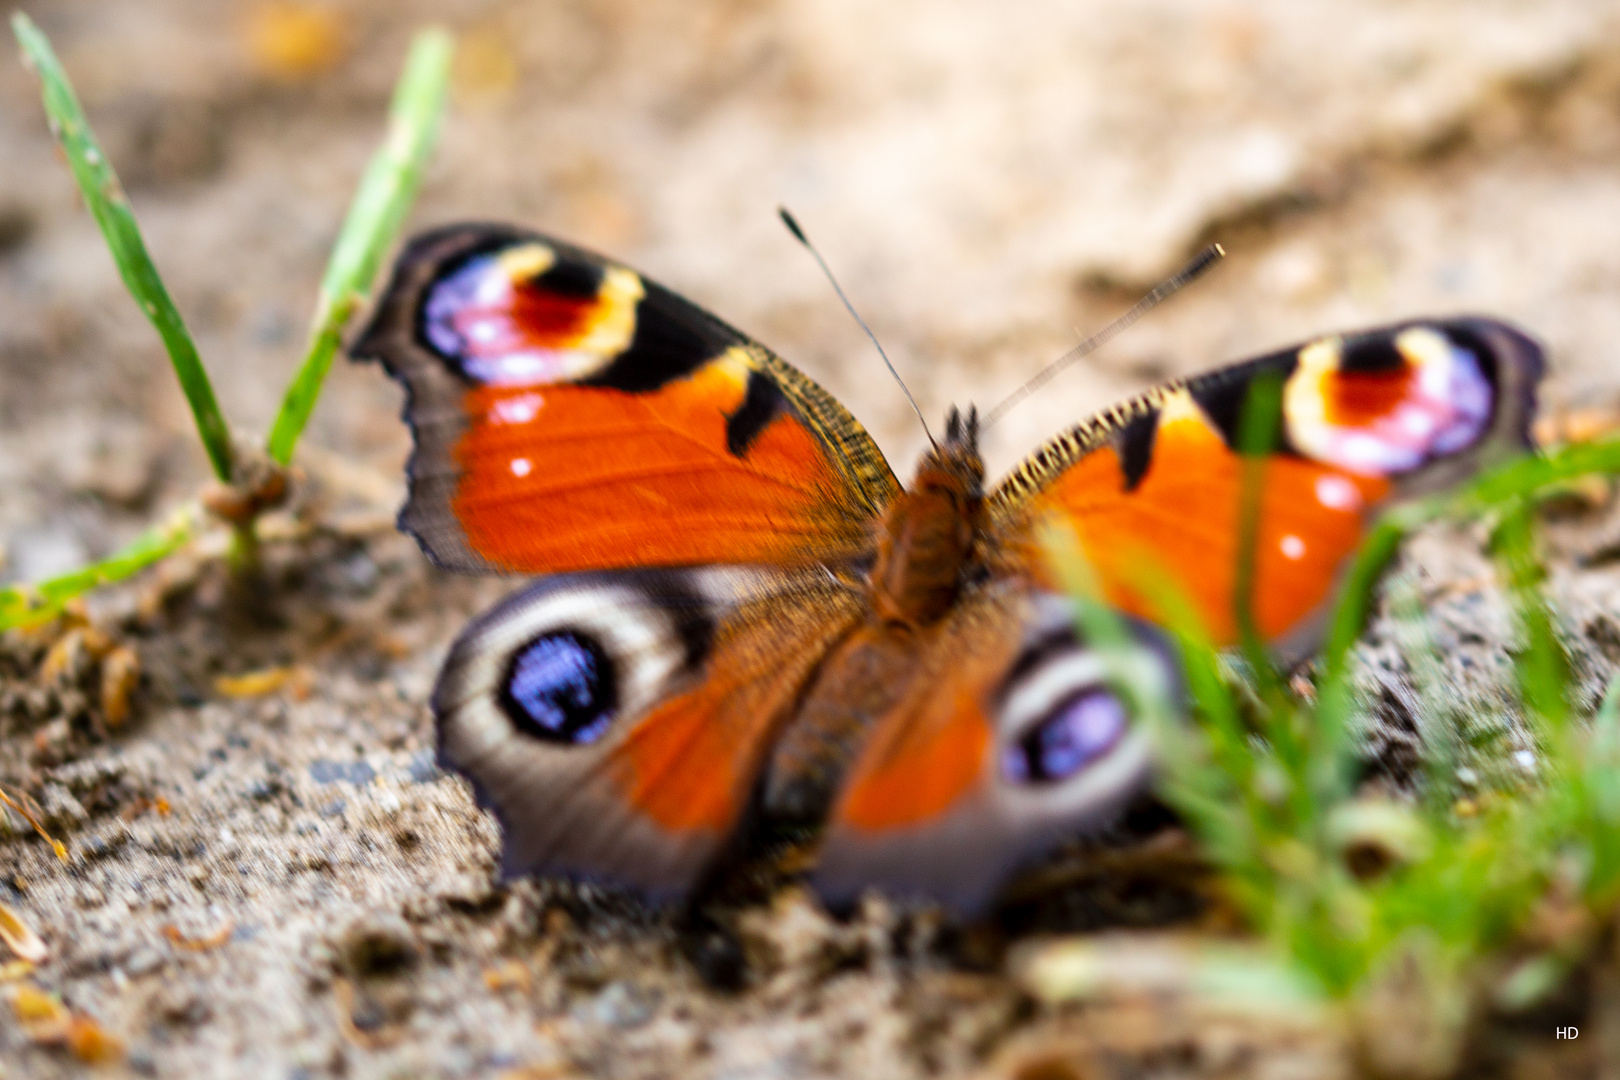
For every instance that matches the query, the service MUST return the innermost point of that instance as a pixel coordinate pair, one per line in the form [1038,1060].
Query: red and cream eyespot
[520,317]
[1385,404]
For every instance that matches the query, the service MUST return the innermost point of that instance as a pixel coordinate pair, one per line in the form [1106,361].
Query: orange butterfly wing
[575,420]
[1006,740]
[695,503]
[1009,740]
[617,721]
[571,415]
[1367,419]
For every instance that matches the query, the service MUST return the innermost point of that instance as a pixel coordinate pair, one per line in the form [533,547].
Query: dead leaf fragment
[44,1019]
[42,1016]
[68,653]
[555,1071]
[508,976]
[31,813]
[265,681]
[120,672]
[1576,425]
[203,944]
[20,937]
[91,1043]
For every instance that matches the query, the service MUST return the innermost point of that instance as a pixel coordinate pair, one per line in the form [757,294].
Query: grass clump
[249,483]
[1429,910]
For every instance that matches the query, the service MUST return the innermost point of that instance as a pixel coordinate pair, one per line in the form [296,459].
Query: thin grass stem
[108,204]
[30,605]
[386,192]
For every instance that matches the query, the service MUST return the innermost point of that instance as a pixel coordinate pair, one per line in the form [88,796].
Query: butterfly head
[955,465]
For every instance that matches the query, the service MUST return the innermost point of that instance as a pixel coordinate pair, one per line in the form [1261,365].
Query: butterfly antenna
[1163,291]
[798,234]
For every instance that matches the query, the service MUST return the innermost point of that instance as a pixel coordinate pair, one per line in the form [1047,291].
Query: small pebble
[143,961]
[618,1006]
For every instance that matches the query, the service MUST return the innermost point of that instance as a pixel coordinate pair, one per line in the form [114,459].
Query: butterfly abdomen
[857,683]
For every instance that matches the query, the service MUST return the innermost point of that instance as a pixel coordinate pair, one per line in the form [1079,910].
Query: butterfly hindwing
[616,721]
[1009,741]
[571,415]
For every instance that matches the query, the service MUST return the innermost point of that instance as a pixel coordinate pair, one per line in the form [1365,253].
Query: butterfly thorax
[925,541]
[925,553]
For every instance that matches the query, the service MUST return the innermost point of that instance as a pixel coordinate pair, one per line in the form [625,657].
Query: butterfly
[742,618]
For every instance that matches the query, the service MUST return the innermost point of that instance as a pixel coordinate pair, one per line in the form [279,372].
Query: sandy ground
[284,886]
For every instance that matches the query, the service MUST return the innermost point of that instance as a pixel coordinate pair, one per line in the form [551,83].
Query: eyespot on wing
[570,414]
[615,721]
[1011,743]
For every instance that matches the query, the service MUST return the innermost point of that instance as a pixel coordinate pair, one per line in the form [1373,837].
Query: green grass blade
[1199,787]
[104,195]
[1333,767]
[29,605]
[1601,786]
[1522,478]
[1355,599]
[1606,723]
[1259,429]
[1534,473]
[385,194]
[1543,669]
[1272,812]
[1174,609]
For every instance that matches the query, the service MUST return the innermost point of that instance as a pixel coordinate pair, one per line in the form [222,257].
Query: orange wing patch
[1183,518]
[691,762]
[571,415]
[683,770]
[564,477]
[924,770]
[929,752]
[933,805]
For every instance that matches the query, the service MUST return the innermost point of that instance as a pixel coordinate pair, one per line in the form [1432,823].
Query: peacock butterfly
[744,618]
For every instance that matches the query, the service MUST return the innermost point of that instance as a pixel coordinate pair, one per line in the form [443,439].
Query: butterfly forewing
[1367,419]
[571,415]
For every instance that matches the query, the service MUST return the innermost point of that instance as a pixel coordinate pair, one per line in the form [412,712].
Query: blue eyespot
[1076,733]
[560,688]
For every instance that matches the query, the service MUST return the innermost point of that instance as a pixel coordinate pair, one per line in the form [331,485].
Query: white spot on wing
[1293,547]
[516,410]
[521,466]
[1337,493]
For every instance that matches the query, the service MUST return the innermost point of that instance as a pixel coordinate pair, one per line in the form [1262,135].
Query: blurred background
[990,181]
